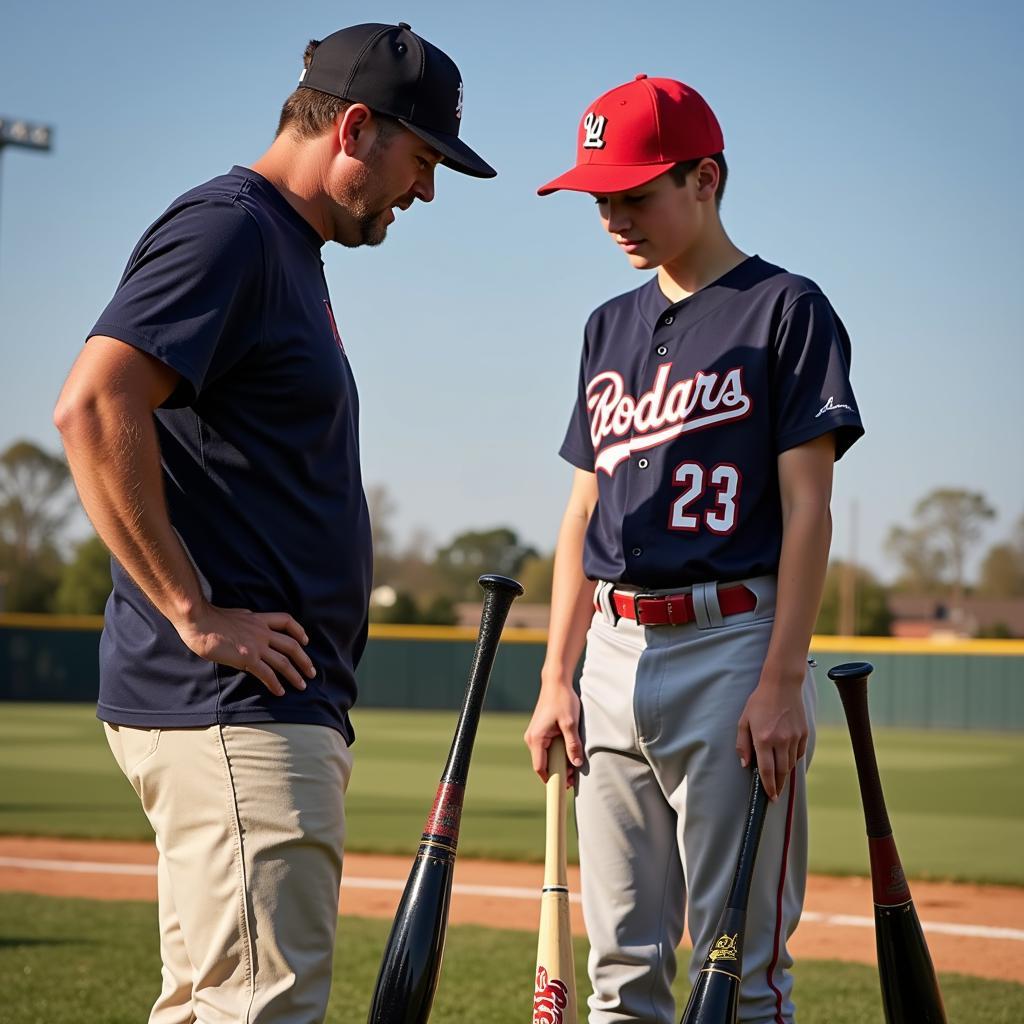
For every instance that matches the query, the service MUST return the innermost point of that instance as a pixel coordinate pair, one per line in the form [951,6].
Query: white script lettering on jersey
[831,405]
[661,414]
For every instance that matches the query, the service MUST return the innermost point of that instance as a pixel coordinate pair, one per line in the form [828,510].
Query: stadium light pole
[26,134]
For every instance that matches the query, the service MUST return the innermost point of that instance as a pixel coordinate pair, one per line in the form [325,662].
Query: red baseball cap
[637,131]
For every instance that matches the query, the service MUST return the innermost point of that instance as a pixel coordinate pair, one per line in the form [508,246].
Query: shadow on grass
[80,809]
[9,942]
[356,808]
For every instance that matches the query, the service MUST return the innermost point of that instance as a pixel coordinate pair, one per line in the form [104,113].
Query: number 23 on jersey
[723,481]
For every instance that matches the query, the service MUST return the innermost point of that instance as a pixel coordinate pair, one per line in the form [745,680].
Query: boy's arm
[773,724]
[572,607]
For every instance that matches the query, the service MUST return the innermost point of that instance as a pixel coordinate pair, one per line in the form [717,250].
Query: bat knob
[851,670]
[491,581]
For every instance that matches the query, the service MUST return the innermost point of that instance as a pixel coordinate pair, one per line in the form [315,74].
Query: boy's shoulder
[777,282]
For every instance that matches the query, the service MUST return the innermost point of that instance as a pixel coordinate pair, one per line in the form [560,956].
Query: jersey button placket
[666,321]
[644,463]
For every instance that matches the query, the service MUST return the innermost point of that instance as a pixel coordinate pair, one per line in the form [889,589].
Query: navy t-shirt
[259,449]
[682,411]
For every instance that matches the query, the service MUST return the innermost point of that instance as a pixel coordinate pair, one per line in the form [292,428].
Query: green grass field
[83,962]
[955,797]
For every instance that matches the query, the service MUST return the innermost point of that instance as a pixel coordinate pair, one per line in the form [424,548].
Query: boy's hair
[308,113]
[681,171]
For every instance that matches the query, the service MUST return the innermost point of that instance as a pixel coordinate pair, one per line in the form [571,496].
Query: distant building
[521,616]
[922,616]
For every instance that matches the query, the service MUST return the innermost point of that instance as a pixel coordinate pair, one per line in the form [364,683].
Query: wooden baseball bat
[715,995]
[554,992]
[411,965]
[910,990]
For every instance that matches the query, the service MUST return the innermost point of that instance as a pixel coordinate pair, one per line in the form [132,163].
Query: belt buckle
[637,598]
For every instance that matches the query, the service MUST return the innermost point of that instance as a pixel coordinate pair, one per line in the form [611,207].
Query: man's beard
[371,229]
[368,220]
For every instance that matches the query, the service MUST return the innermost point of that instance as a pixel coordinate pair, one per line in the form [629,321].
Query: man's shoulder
[224,187]
[214,214]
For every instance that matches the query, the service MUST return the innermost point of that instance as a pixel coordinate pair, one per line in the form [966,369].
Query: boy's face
[658,222]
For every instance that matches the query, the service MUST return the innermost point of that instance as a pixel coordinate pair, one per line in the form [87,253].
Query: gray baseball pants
[661,803]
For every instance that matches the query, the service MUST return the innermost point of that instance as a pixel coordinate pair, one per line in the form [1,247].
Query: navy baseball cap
[398,73]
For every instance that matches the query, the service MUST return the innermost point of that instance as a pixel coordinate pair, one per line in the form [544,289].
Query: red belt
[677,609]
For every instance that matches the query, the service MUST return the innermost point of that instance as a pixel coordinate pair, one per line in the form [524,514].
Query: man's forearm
[114,455]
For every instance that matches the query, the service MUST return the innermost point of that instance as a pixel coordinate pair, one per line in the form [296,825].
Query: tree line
[417,581]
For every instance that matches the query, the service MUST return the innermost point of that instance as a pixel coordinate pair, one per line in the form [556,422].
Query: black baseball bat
[910,990]
[715,995]
[411,965]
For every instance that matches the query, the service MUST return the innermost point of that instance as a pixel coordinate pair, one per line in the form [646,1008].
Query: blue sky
[873,147]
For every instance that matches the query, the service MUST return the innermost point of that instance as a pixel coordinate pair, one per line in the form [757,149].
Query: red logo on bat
[550,998]
[446,814]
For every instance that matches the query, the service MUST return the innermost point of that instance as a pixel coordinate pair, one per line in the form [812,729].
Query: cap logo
[458,105]
[593,126]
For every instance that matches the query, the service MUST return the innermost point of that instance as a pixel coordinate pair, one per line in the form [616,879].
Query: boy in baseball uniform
[713,401]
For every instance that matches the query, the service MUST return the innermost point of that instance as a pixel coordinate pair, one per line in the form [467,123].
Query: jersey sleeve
[191,293]
[811,389]
[577,448]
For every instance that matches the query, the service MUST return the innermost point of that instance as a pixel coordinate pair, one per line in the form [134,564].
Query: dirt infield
[973,929]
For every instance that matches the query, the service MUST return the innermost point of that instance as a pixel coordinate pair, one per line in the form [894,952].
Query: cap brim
[605,178]
[454,152]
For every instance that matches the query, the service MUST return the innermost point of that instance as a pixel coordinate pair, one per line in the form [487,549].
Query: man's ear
[352,128]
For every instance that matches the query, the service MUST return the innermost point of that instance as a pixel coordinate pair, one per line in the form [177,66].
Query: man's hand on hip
[267,645]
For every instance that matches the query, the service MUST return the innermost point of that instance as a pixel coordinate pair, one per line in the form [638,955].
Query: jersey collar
[654,304]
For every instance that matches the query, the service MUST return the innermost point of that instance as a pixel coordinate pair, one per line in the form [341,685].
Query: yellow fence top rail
[18,620]
[512,635]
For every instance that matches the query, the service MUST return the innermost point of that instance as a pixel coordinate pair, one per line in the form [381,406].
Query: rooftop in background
[521,615]
[918,616]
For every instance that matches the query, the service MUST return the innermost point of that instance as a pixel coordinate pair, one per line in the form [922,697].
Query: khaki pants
[250,824]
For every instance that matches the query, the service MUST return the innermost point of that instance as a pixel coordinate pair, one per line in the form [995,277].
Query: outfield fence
[964,684]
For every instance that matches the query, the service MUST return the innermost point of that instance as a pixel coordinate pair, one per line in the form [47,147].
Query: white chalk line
[508,892]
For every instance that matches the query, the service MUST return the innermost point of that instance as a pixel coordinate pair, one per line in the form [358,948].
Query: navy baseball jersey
[682,411]
[260,455]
